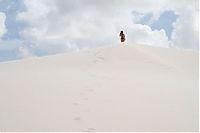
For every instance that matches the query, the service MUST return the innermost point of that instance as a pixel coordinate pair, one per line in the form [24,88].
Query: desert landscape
[114,88]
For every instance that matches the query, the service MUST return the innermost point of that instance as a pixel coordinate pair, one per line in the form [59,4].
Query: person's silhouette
[122,35]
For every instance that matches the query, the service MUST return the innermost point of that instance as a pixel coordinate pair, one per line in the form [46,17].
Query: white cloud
[25,52]
[142,34]
[2,24]
[87,23]
[186,31]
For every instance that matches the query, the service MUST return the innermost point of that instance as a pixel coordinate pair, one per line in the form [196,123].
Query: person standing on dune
[122,35]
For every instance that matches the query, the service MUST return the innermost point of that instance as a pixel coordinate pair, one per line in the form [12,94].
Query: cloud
[186,28]
[25,52]
[2,24]
[11,8]
[142,34]
[186,33]
[71,25]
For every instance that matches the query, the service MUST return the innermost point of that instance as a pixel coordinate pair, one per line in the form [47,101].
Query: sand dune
[118,88]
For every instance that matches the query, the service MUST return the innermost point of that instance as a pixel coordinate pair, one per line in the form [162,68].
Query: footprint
[97,53]
[76,104]
[89,130]
[90,90]
[86,99]
[100,58]
[96,61]
[77,118]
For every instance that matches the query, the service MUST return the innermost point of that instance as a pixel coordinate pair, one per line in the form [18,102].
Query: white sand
[119,88]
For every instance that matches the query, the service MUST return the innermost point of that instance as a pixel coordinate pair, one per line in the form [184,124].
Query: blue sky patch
[11,8]
[164,22]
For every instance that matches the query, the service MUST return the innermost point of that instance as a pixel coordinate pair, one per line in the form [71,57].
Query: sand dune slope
[119,88]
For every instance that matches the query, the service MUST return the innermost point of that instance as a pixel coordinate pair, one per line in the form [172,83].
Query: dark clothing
[122,37]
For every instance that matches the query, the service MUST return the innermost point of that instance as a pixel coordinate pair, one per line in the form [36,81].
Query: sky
[31,28]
